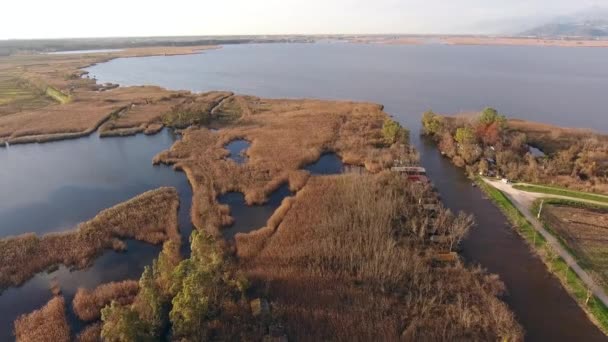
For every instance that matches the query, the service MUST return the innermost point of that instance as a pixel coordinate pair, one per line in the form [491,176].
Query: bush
[394,133]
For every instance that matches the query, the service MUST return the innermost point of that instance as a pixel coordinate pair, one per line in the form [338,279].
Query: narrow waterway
[53,187]
[68,182]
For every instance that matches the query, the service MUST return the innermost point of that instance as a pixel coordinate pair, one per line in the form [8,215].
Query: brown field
[584,231]
[150,217]
[47,324]
[28,115]
[88,303]
[90,334]
[346,260]
[523,41]
[285,135]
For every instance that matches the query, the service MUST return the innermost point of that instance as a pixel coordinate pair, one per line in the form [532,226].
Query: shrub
[394,133]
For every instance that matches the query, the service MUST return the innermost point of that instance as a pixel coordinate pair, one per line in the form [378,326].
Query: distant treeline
[8,47]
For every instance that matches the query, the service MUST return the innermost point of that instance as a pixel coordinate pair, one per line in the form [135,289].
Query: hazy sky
[109,18]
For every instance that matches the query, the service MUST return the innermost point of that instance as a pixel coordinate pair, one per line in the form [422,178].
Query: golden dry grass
[150,217]
[92,333]
[346,263]
[285,136]
[89,104]
[88,303]
[48,323]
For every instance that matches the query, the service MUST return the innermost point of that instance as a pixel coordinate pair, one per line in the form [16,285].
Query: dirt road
[523,202]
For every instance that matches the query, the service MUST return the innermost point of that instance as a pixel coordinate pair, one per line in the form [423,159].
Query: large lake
[564,86]
[51,187]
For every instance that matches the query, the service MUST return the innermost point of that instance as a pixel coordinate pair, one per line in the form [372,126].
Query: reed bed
[149,217]
[285,136]
[47,324]
[88,303]
[347,263]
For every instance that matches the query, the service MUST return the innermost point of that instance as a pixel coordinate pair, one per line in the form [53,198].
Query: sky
[115,18]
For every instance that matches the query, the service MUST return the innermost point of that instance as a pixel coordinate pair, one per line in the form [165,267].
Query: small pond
[328,164]
[248,218]
[237,150]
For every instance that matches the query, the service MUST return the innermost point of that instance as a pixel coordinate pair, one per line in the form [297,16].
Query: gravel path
[523,202]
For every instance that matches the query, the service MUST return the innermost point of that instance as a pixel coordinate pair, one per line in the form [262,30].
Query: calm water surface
[557,85]
[53,187]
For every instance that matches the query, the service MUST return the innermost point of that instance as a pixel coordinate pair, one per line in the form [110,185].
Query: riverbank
[553,256]
[149,217]
[79,105]
[478,40]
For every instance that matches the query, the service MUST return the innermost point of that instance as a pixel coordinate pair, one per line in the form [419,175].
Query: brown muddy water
[52,187]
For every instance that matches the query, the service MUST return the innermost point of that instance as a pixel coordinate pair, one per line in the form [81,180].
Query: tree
[149,303]
[464,135]
[431,123]
[447,144]
[122,324]
[394,133]
[490,116]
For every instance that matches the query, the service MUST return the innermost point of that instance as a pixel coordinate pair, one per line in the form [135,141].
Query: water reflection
[237,150]
[328,164]
[248,218]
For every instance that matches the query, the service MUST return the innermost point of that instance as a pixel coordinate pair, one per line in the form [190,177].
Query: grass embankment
[47,324]
[285,136]
[349,259]
[551,190]
[597,311]
[150,217]
[57,95]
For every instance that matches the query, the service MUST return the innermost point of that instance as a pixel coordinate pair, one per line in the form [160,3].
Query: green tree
[394,133]
[431,123]
[150,303]
[464,135]
[122,324]
[490,116]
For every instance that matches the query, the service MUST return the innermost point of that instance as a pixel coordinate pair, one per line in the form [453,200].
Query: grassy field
[575,286]
[551,190]
[581,228]
[17,96]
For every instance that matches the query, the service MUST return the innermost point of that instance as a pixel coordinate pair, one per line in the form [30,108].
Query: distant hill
[591,23]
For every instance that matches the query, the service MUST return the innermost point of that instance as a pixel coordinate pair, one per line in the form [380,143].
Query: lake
[52,187]
[562,86]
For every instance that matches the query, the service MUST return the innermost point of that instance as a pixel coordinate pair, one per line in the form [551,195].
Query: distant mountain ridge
[592,23]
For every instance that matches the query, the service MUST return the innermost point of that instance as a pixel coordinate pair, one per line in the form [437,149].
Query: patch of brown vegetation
[583,230]
[482,40]
[350,260]
[48,323]
[285,136]
[150,217]
[86,104]
[88,303]
[91,333]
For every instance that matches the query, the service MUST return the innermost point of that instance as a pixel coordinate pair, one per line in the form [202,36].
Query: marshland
[253,286]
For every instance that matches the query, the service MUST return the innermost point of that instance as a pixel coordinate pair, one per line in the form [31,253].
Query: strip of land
[149,217]
[45,98]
